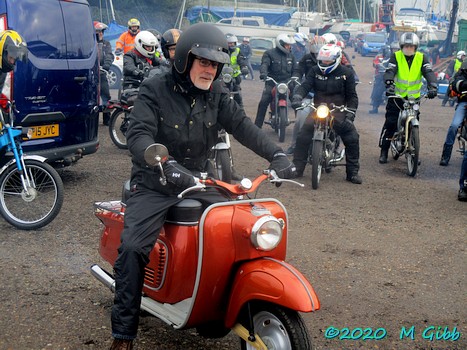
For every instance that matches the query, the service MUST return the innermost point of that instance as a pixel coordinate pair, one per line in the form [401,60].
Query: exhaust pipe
[339,158]
[103,276]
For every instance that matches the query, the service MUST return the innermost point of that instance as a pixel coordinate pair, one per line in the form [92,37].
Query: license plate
[43,131]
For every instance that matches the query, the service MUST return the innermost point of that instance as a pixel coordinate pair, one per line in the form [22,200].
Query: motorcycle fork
[20,164]
[248,334]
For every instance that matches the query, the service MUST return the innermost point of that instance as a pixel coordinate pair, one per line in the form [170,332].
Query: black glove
[118,52]
[283,167]
[138,73]
[432,93]
[262,76]
[350,116]
[390,90]
[146,72]
[178,174]
[296,101]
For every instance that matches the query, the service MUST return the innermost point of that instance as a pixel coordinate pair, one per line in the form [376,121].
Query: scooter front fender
[272,281]
[318,135]
[25,157]
[221,145]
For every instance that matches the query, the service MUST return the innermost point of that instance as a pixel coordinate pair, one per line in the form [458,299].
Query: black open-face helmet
[203,40]
[169,39]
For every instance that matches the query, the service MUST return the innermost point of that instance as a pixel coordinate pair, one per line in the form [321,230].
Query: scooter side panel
[272,281]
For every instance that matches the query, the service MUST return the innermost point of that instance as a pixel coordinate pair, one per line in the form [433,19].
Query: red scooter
[221,267]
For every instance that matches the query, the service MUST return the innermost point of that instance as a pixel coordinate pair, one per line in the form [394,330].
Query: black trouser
[349,135]
[144,216]
[263,104]
[393,108]
[237,91]
[105,94]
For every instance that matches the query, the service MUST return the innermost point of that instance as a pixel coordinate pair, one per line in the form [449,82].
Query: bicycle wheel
[316,163]
[224,165]
[118,126]
[40,204]
[412,155]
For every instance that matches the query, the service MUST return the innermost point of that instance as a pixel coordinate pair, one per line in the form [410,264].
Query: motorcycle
[406,140]
[326,149]
[31,191]
[221,267]
[120,117]
[278,109]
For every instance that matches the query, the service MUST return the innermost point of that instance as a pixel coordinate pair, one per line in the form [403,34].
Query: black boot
[446,156]
[383,157]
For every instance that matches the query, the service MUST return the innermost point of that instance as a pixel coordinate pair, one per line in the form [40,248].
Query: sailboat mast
[112,10]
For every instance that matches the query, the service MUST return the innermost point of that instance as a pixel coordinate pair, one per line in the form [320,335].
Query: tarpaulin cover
[272,17]
[114,31]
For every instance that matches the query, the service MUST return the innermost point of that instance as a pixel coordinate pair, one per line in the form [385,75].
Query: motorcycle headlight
[322,111]
[282,88]
[227,78]
[267,233]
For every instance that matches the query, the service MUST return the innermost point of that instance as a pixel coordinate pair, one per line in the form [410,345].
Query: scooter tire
[118,125]
[224,165]
[283,328]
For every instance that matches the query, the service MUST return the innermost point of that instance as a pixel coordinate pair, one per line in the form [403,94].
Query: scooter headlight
[267,233]
[282,88]
[322,111]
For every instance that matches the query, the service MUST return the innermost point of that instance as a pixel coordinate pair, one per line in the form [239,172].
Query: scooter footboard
[273,281]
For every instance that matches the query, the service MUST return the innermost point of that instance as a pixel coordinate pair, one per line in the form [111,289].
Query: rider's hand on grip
[283,167]
[178,174]
[296,101]
[350,116]
[262,77]
[432,93]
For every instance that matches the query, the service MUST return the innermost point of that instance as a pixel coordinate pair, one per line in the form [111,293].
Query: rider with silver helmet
[182,109]
[403,77]
[452,69]
[138,62]
[279,64]
[238,65]
[332,83]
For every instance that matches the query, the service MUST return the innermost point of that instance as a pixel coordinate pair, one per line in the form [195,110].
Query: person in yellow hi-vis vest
[403,77]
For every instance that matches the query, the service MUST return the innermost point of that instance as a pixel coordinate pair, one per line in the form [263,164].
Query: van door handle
[80,80]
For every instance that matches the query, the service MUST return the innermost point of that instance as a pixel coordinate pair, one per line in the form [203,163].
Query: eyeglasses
[171,49]
[206,63]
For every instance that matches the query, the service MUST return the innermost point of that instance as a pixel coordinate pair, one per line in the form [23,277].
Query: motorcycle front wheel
[40,204]
[413,152]
[118,126]
[278,328]
[316,163]
[224,165]
[282,123]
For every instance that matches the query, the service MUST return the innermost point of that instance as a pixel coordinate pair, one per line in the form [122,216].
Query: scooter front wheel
[278,328]
[118,126]
[36,205]
[224,165]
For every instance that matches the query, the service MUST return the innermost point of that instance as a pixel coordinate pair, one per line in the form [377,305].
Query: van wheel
[114,77]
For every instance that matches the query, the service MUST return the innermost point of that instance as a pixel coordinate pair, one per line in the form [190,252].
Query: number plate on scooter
[43,131]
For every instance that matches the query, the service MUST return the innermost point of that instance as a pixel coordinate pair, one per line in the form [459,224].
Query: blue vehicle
[372,43]
[56,90]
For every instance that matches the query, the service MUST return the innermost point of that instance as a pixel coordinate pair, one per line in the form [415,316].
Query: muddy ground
[387,254]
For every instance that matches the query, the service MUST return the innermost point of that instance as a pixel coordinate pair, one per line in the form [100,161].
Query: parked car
[115,75]
[258,46]
[372,44]
[56,90]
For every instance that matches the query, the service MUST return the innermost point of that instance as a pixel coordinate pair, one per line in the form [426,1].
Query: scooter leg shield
[273,281]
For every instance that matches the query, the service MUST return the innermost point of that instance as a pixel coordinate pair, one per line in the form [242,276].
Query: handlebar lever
[278,180]
[197,187]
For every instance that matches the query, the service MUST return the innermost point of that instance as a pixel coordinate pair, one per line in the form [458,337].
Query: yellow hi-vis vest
[457,65]
[233,62]
[408,81]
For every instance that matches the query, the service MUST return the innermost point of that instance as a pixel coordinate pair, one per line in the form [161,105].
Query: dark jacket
[427,70]
[277,64]
[245,51]
[459,83]
[337,87]
[136,68]
[186,121]
[106,56]
[304,65]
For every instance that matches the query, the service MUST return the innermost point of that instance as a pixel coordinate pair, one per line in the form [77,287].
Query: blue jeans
[463,176]
[456,122]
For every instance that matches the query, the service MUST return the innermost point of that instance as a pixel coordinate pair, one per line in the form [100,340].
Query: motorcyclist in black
[279,64]
[331,83]
[106,59]
[183,110]
[138,61]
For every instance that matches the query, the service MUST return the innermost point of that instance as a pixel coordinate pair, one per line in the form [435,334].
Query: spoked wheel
[282,123]
[316,163]
[412,155]
[278,328]
[40,204]
[118,126]
[224,165]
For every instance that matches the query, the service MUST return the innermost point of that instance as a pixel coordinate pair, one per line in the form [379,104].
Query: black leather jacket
[277,65]
[337,87]
[459,83]
[106,56]
[186,120]
[136,68]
